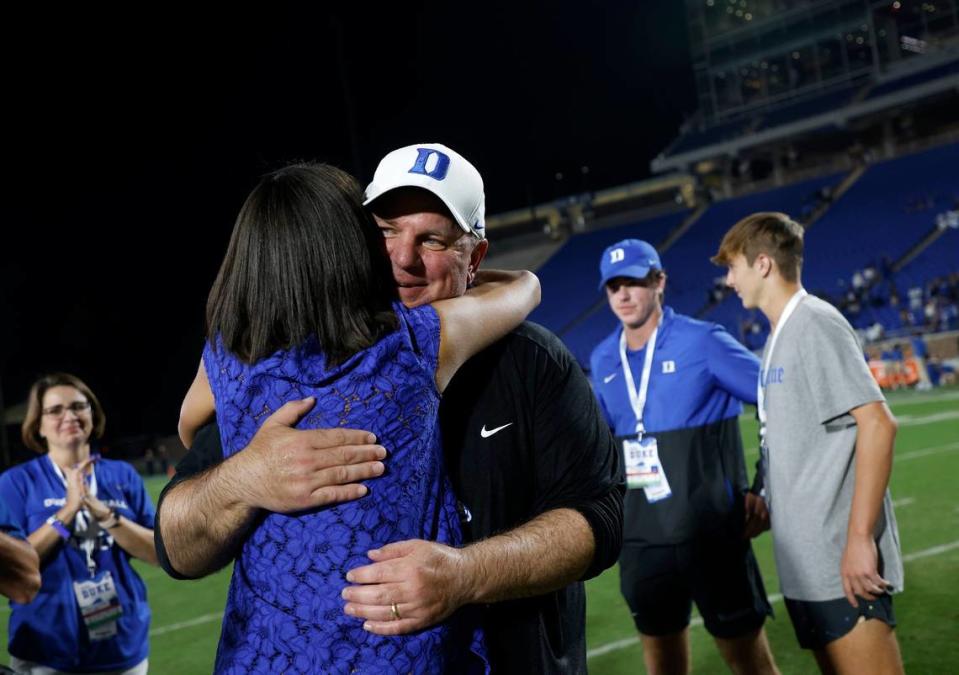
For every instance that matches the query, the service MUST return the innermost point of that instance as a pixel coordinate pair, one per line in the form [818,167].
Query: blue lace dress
[284,613]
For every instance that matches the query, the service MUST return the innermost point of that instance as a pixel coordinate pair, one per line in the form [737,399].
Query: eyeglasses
[76,408]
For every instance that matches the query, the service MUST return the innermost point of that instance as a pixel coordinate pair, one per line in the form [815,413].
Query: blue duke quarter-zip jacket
[699,378]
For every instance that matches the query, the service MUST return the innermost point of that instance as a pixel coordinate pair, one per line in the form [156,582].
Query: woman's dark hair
[305,259]
[30,429]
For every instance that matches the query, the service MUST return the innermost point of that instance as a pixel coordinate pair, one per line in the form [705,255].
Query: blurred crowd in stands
[928,308]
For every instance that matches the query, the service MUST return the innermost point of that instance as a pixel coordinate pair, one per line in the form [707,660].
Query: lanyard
[82,522]
[638,399]
[760,389]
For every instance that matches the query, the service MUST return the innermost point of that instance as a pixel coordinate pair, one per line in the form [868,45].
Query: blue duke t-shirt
[7,526]
[50,630]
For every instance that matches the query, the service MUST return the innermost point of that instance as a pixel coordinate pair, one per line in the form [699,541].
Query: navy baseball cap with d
[631,258]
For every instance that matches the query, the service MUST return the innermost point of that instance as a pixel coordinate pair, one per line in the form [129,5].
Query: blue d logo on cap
[632,258]
[439,170]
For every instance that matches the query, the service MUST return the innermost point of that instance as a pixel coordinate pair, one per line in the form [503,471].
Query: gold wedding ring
[394,610]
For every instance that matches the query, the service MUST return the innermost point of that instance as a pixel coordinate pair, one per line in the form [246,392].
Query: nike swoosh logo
[486,434]
[608,378]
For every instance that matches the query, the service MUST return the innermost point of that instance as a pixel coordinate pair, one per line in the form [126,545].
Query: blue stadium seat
[686,262]
[570,277]
[875,217]
[941,258]
[808,108]
[702,138]
[730,314]
[915,79]
[886,212]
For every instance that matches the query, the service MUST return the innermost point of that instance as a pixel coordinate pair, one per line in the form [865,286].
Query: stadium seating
[808,108]
[730,314]
[701,138]
[688,259]
[914,79]
[686,262]
[941,258]
[885,213]
[570,276]
[875,216]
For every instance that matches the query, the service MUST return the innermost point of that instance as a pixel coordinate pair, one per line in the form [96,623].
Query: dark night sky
[132,139]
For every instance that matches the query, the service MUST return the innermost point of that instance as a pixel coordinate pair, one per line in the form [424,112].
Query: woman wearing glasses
[86,517]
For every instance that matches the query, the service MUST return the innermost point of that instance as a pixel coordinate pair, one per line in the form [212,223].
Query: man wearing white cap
[529,454]
[670,387]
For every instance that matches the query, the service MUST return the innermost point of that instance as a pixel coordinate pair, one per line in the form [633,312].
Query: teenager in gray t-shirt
[827,444]
[814,378]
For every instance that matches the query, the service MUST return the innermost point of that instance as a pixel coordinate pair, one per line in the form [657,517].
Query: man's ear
[476,257]
[764,265]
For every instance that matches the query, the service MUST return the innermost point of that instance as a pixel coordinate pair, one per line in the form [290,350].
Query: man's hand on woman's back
[285,469]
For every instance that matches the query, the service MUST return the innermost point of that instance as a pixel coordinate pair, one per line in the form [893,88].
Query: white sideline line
[773,599]
[915,454]
[905,501]
[918,399]
[623,644]
[592,653]
[893,401]
[918,420]
[935,550]
[926,452]
[630,641]
[206,618]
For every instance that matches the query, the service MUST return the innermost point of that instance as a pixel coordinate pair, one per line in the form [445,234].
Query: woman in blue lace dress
[305,305]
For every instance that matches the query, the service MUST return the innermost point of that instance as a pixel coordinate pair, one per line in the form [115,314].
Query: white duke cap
[442,171]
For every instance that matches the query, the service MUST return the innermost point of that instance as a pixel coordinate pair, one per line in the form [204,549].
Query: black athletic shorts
[660,584]
[819,623]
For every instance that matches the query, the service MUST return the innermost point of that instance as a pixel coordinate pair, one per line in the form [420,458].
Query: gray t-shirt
[816,376]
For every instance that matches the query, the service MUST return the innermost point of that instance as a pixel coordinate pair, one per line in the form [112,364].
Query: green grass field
[186,615]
